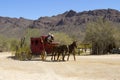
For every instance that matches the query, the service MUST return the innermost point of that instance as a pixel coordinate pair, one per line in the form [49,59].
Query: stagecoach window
[36,42]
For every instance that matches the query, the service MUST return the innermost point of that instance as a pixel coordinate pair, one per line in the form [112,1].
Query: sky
[34,9]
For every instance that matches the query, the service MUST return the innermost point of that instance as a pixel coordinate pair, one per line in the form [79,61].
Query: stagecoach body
[39,45]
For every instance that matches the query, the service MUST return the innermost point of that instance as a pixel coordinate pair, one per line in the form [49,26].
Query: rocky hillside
[70,22]
[13,27]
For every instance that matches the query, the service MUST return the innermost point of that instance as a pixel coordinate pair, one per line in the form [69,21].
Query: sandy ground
[105,67]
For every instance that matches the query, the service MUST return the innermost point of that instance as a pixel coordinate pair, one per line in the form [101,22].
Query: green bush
[23,53]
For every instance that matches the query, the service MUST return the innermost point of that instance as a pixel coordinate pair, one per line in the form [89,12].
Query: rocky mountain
[71,22]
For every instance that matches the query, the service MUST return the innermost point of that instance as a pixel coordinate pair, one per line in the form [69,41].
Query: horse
[72,49]
[64,50]
[59,50]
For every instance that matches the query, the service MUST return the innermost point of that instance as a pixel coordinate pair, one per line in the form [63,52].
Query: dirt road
[105,67]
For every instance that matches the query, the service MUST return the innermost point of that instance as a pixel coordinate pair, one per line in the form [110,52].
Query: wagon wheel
[43,55]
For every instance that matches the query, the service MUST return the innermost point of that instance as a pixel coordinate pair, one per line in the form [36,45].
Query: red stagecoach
[40,47]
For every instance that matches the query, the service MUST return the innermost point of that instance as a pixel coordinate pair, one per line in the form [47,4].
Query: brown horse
[72,49]
[64,50]
[60,50]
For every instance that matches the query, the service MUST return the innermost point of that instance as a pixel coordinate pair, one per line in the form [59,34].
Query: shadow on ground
[35,59]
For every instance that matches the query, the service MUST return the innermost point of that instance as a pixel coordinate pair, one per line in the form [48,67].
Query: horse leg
[65,53]
[58,56]
[52,56]
[68,56]
[63,56]
[74,56]
[55,55]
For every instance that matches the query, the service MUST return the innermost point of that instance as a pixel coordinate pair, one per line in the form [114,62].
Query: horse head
[74,44]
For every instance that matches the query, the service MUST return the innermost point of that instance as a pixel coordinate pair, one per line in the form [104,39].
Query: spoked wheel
[43,55]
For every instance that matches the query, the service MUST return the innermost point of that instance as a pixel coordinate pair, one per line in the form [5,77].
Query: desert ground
[102,67]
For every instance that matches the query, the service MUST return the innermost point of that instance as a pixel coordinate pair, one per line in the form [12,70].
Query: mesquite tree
[101,35]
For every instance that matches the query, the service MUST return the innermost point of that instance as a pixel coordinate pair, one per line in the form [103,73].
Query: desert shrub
[22,53]
[101,35]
